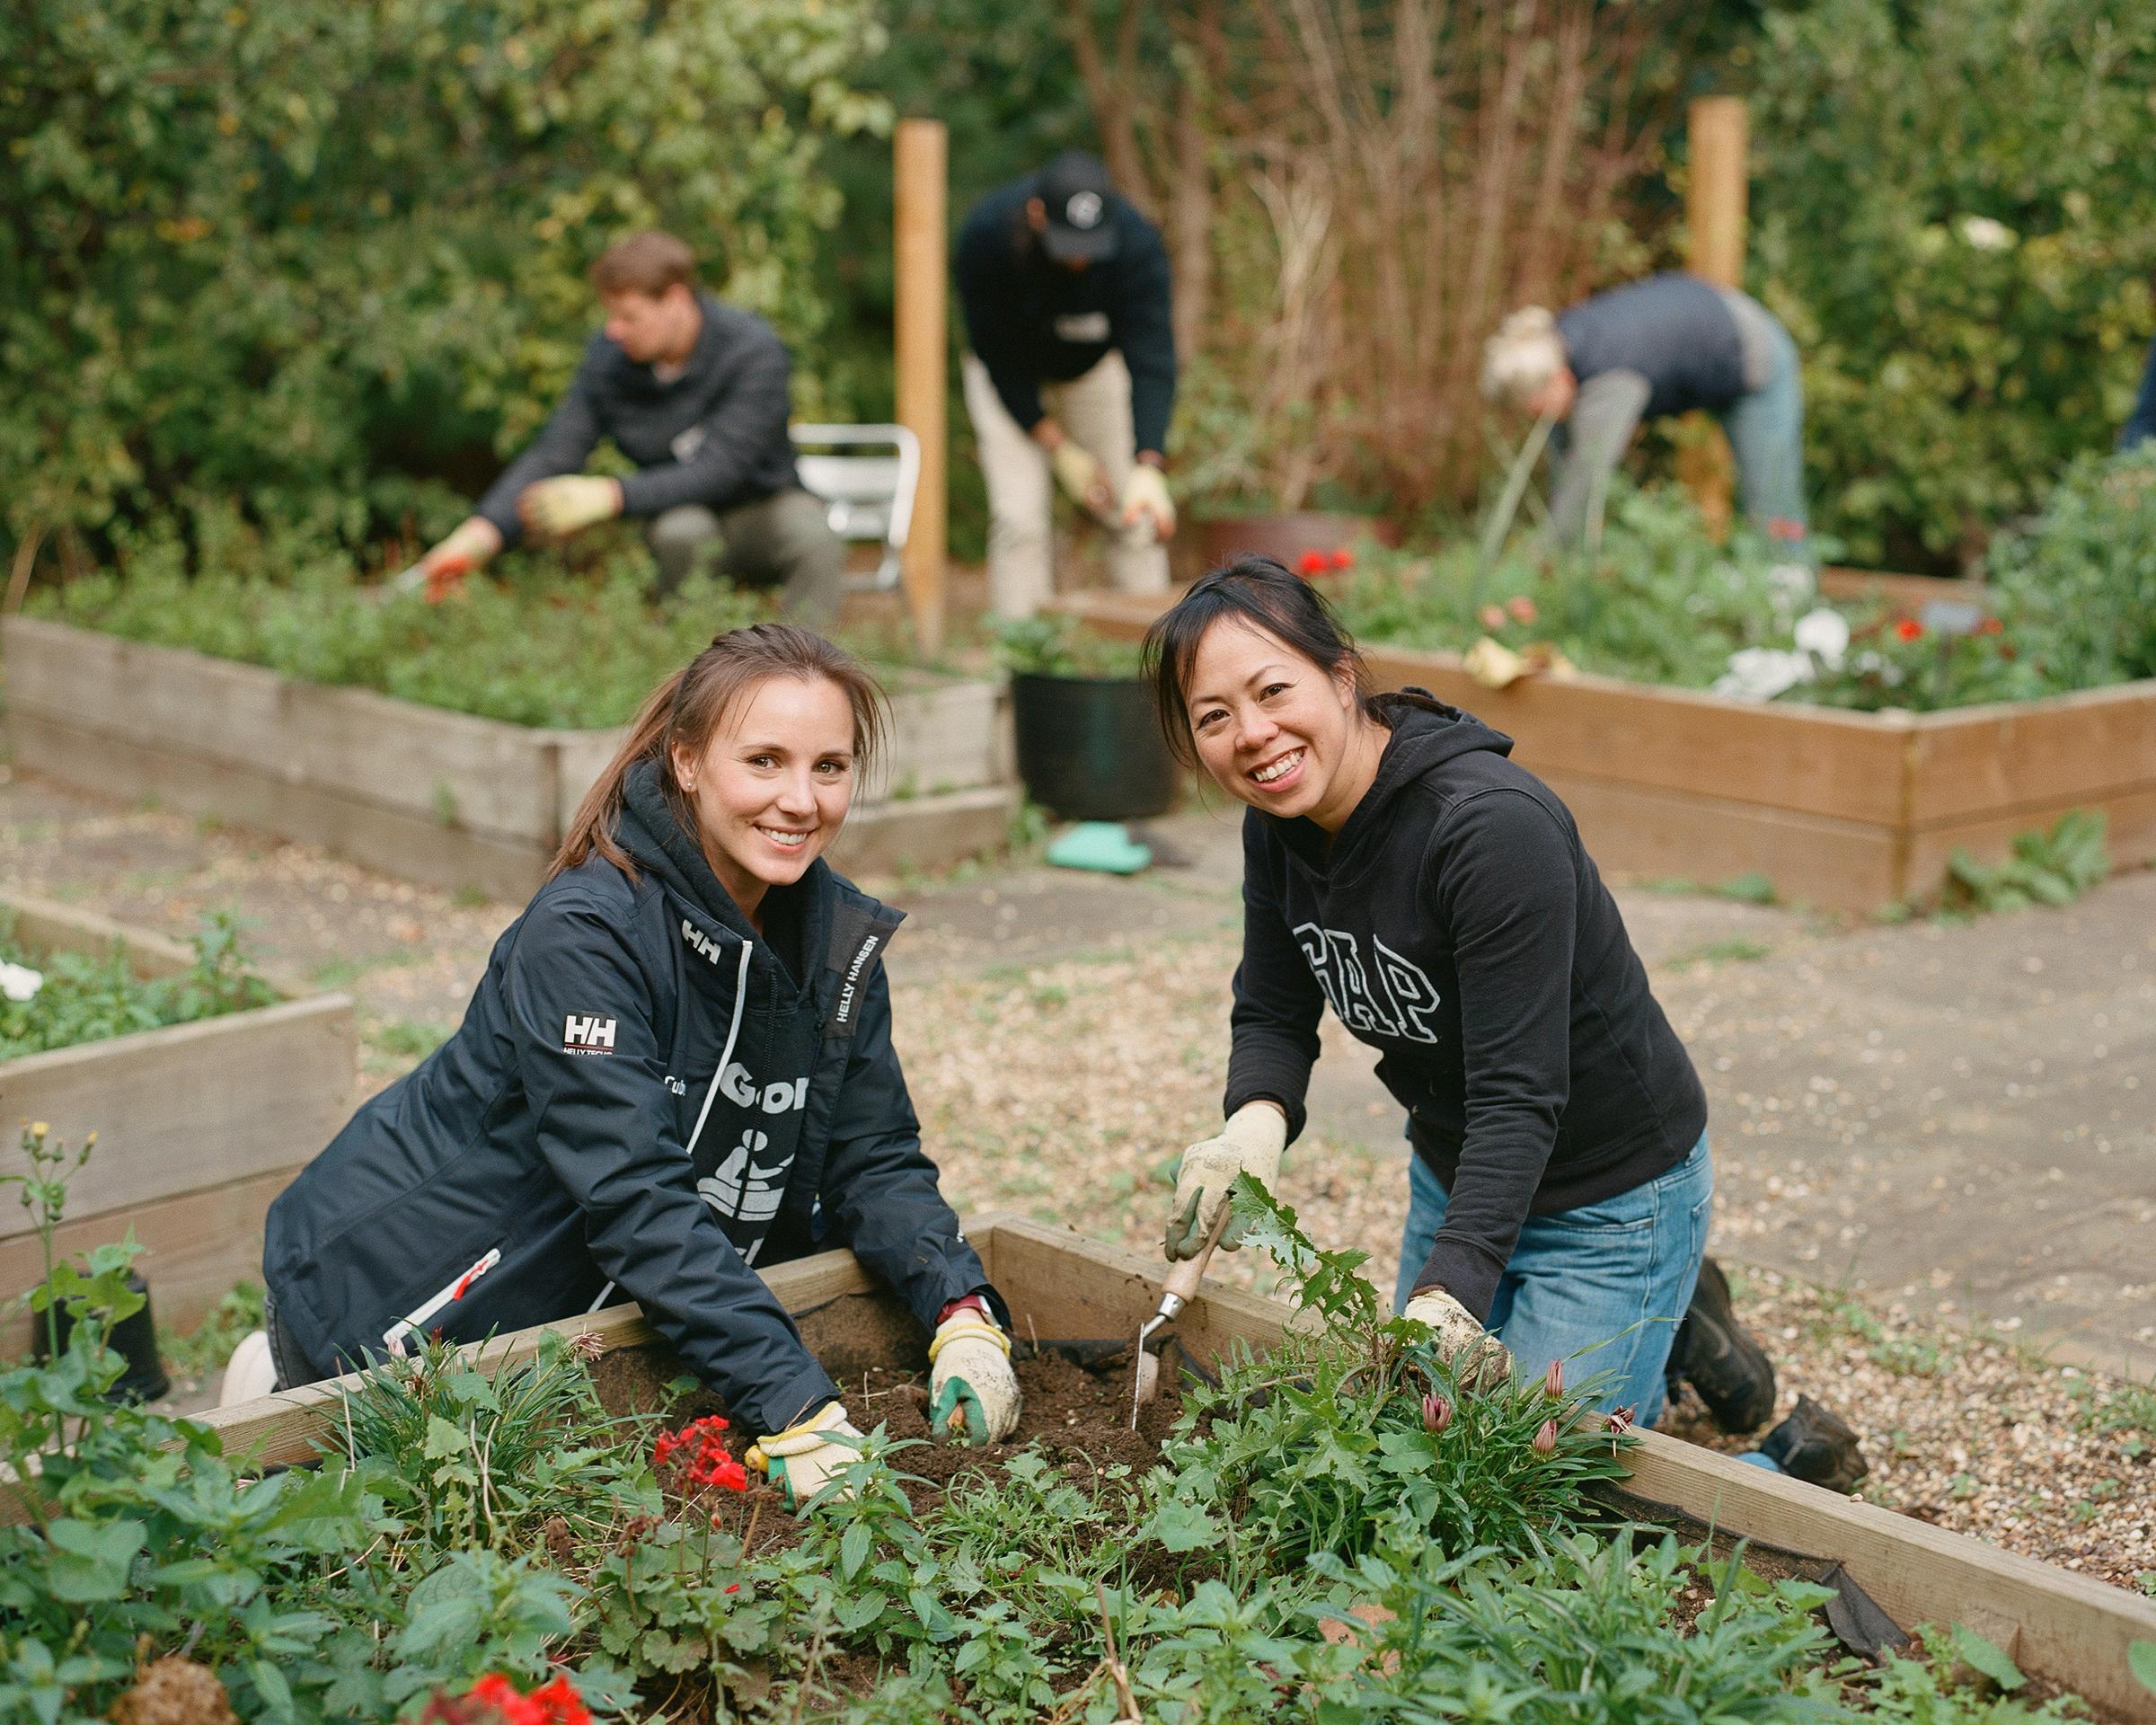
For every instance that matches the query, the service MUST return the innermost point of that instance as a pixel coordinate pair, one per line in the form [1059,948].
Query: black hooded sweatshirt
[1456,923]
[645,1099]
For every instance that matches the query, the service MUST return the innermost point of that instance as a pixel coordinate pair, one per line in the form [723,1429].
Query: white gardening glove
[1250,1143]
[1145,493]
[973,1391]
[1078,471]
[557,508]
[1478,1359]
[802,1460]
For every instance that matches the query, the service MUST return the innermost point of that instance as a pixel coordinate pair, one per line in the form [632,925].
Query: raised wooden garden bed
[1848,810]
[435,796]
[198,1126]
[2054,1625]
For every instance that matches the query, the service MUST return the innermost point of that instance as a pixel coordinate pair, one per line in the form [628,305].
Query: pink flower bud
[1492,617]
[1553,1380]
[1437,1414]
[1545,1439]
[1522,608]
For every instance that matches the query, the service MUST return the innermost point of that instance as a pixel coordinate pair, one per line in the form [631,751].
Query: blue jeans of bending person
[1765,428]
[1602,1287]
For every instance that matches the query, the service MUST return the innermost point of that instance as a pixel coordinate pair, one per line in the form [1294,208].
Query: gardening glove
[1250,1143]
[558,507]
[1146,492]
[802,1460]
[473,541]
[972,1389]
[1479,1359]
[1078,471]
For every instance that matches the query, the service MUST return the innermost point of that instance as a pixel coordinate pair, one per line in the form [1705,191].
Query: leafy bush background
[1951,370]
[328,260]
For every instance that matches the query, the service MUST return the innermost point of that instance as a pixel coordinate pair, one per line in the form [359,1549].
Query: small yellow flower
[39,1129]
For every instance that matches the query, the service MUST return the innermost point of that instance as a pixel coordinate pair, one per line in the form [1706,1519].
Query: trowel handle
[1184,1277]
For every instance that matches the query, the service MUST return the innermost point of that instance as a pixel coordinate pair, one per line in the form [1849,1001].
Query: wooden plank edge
[224,1025]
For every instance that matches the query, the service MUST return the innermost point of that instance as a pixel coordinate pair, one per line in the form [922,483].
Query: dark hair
[689,707]
[1262,594]
[648,262]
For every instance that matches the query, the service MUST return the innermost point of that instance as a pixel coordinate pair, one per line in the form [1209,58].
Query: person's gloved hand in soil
[973,1393]
[556,508]
[1250,1143]
[804,1458]
[1478,1359]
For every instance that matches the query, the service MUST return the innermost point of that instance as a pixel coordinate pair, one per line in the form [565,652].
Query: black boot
[1816,1445]
[1715,1355]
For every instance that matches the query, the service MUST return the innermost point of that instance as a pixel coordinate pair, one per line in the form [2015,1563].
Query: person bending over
[695,394]
[1659,347]
[1072,377]
[1399,867]
[677,1068]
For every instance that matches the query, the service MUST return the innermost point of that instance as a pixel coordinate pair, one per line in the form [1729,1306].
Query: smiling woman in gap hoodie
[677,1067]
[1398,866]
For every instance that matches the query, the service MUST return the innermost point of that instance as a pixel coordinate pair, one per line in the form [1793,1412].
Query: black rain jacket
[596,1129]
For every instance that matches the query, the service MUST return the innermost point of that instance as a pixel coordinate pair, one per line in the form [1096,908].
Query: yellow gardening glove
[1079,471]
[1479,1359]
[803,1459]
[1145,493]
[973,1391]
[1250,1143]
[557,508]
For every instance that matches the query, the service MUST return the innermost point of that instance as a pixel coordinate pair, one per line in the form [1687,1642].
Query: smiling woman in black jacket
[1400,868]
[677,1067]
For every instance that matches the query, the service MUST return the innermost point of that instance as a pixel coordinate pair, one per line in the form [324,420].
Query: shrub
[310,255]
[1956,208]
[87,997]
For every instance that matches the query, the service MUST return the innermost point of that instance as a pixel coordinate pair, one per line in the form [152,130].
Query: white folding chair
[869,497]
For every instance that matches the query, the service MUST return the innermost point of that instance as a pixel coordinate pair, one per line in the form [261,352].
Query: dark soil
[1076,1414]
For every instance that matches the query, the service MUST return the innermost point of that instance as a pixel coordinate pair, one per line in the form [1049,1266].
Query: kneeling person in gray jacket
[695,394]
[677,1069]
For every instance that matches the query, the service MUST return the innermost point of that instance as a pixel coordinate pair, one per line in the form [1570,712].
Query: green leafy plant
[1057,646]
[89,997]
[2046,868]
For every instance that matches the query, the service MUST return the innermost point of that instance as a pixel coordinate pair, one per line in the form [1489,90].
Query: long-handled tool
[1175,1295]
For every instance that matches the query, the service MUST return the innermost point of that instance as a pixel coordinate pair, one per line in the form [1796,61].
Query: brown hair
[688,708]
[648,263]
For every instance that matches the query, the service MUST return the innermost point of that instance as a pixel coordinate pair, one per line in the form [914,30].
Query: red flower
[553,1703]
[1909,629]
[1545,1438]
[1991,626]
[1522,608]
[734,1587]
[1343,560]
[701,1445]
[1313,562]
[1492,617]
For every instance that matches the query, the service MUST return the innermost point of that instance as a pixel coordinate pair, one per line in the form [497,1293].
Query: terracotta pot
[1283,537]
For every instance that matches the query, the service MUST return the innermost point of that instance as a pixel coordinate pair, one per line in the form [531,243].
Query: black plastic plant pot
[1090,749]
[133,1339]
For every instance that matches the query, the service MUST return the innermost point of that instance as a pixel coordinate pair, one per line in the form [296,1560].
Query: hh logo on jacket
[587,1033]
[1390,996]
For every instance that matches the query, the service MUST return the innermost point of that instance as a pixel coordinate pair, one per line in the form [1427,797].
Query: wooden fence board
[2032,759]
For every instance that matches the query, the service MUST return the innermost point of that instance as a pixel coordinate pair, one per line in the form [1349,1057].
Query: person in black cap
[1072,373]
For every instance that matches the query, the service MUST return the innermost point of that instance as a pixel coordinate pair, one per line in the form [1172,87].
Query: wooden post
[1714,214]
[919,162]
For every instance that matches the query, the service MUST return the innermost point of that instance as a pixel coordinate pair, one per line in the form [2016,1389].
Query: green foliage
[1955,211]
[209,1344]
[1060,646]
[88,997]
[2054,867]
[532,646]
[320,258]
[2077,589]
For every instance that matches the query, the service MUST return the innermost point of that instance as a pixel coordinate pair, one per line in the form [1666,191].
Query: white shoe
[251,1373]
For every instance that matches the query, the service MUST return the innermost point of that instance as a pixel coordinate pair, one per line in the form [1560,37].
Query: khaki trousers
[1095,409]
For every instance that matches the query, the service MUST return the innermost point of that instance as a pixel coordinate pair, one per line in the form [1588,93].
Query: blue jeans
[1765,428]
[1602,1287]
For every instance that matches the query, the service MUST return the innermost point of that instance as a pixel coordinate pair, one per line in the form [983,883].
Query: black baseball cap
[1075,189]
